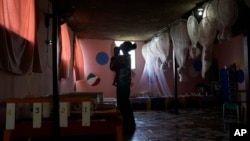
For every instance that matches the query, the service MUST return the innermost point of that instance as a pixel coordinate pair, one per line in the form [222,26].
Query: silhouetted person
[114,65]
[123,82]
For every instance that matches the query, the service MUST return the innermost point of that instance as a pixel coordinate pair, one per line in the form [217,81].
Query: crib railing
[41,108]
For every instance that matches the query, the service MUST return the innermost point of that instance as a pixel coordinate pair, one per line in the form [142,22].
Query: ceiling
[134,20]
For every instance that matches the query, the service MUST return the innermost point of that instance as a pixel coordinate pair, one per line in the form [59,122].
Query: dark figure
[123,68]
[114,65]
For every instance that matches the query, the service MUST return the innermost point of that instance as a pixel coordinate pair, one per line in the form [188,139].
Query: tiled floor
[188,125]
[164,125]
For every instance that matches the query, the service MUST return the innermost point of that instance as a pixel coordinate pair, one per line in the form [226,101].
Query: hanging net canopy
[225,13]
[219,15]
[208,34]
[181,43]
[153,81]
[163,46]
[211,14]
[194,35]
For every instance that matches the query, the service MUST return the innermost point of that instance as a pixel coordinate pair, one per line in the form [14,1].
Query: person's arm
[114,64]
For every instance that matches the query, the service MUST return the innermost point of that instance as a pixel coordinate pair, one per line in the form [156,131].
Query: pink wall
[193,78]
[90,49]
[226,53]
[230,52]
[40,84]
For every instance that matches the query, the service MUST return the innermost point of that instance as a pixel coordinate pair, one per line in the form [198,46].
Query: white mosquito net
[219,15]
[225,13]
[181,43]
[163,45]
[207,37]
[194,35]
[153,81]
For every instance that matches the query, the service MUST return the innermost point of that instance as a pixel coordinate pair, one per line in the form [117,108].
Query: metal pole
[175,84]
[247,67]
[56,128]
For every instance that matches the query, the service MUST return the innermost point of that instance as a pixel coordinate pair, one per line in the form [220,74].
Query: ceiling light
[200,11]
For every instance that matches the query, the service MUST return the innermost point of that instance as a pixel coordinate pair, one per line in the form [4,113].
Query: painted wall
[40,84]
[189,85]
[91,48]
[230,52]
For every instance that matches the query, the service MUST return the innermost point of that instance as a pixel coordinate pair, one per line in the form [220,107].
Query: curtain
[19,50]
[65,51]
[78,61]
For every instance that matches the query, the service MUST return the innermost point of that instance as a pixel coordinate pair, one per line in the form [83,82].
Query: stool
[232,106]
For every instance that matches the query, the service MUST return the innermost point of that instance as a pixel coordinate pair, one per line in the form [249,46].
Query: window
[132,54]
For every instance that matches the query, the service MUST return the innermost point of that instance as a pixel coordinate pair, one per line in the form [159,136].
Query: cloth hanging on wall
[19,50]
[65,52]
[78,61]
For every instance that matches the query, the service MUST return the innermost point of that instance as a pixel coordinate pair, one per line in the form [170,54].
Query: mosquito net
[163,44]
[181,43]
[225,13]
[153,81]
[219,15]
[194,35]
[207,37]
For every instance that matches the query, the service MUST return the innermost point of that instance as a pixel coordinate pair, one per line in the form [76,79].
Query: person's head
[127,46]
[116,51]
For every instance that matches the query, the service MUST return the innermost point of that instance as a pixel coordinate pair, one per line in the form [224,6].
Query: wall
[226,53]
[91,48]
[193,77]
[39,84]
[230,52]
[35,84]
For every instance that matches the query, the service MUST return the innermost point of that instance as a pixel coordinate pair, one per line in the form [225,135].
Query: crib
[83,120]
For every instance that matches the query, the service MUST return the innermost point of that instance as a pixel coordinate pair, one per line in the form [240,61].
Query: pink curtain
[65,52]
[19,51]
[78,61]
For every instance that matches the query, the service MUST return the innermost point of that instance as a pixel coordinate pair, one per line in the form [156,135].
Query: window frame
[132,54]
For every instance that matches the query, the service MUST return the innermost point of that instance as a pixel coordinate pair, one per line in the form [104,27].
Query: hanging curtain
[65,52]
[78,61]
[19,50]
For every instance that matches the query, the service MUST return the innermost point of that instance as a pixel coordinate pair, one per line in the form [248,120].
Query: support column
[175,84]
[247,69]
[55,13]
